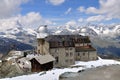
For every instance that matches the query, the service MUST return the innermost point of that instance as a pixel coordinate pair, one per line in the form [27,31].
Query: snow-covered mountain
[106,32]
[102,37]
[15,30]
[12,33]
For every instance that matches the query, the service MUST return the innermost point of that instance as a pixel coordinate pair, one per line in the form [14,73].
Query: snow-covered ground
[55,73]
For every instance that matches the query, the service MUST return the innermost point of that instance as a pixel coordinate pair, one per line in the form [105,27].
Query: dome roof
[42,29]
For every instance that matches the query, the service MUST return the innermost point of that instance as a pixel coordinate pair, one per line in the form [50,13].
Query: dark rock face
[7,44]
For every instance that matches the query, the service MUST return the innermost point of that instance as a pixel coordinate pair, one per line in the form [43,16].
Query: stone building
[66,49]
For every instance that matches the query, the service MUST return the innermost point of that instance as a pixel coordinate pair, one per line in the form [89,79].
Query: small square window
[78,54]
[71,60]
[38,51]
[66,61]
[70,48]
[66,48]
[57,60]
[67,54]
[71,54]
[83,54]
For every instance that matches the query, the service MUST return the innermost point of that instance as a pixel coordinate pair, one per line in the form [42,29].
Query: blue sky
[57,12]
[61,12]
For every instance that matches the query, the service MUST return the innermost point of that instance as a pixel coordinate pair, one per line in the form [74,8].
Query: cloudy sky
[31,13]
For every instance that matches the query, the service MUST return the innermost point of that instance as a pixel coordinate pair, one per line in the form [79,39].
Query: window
[83,54]
[85,44]
[66,48]
[60,44]
[66,60]
[56,50]
[78,54]
[70,48]
[38,51]
[81,44]
[71,54]
[57,59]
[71,60]
[67,54]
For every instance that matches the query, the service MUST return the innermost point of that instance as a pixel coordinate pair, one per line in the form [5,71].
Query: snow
[30,56]
[55,73]
[24,63]
[9,58]
[30,31]
[17,53]
[58,32]
[97,63]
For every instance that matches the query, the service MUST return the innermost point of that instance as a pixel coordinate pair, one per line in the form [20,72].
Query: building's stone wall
[64,56]
[85,55]
[92,55]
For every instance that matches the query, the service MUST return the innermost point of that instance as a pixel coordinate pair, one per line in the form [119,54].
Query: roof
[62,37]
[79,49]
[42,59]
[66,40]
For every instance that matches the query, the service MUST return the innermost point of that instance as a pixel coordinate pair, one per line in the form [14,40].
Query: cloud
[71,23]
[56,2]
[68,11]
[81,9]
[98,18]
[48,22]
[80,20]
[30,20]
[95,18]
[108,9]
[10,7]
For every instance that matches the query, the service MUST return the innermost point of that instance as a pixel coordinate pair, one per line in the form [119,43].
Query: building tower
[42,33]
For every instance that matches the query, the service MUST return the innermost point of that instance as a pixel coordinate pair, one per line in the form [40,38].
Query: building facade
[66,49]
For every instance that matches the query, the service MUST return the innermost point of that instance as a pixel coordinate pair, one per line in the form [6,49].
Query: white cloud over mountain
[56,2]
[108,9]
[31,19]
[71,23]
[10,7]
